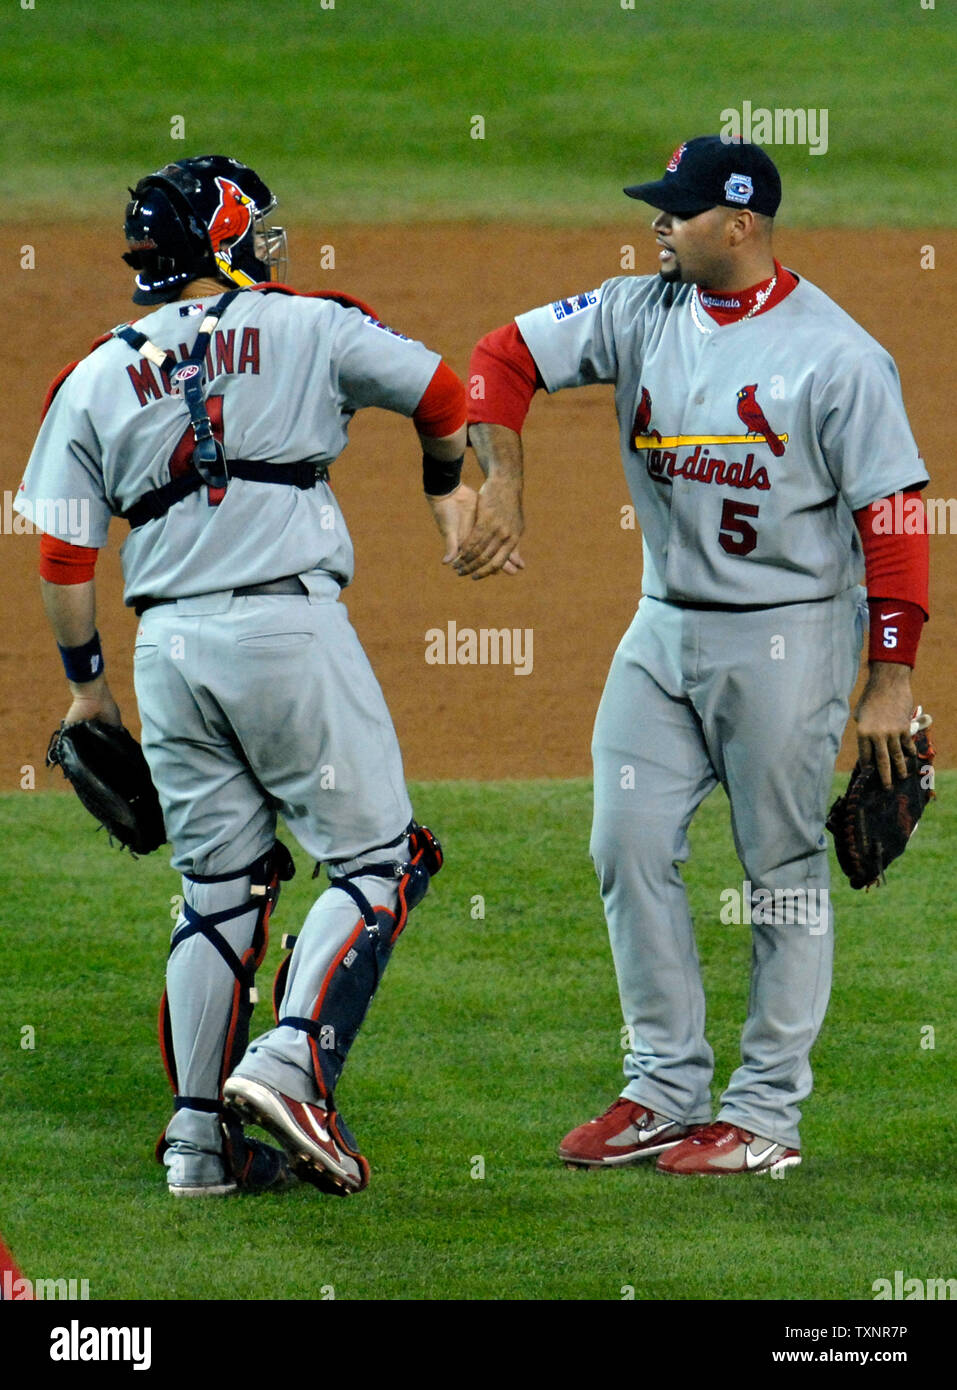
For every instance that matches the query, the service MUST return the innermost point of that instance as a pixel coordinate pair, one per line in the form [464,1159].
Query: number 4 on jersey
[181,459]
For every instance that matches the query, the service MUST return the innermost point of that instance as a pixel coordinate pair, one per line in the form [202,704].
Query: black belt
[741,607]
[292,585]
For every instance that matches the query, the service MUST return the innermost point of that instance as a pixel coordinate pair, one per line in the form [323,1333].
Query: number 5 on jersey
[737,536]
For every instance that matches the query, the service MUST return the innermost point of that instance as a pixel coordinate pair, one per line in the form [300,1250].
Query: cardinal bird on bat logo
[643,418]
[751,414]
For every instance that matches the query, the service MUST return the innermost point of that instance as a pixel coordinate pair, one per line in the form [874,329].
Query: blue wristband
[84,663]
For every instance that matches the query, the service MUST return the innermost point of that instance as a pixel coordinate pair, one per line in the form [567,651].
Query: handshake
[481,529]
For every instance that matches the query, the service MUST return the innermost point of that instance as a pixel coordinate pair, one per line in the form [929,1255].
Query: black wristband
[439,479]
[83,663]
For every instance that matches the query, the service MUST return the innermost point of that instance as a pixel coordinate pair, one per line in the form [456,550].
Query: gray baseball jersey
[285,374]
[746,447]
[251,704]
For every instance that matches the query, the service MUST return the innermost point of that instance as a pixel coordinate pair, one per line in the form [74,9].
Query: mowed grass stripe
[490,1038]
[365,112]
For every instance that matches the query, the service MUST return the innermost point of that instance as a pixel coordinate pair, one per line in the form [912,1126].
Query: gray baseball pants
[251,707]
[758,701]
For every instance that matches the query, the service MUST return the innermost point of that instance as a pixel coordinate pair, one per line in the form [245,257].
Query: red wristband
[896,626]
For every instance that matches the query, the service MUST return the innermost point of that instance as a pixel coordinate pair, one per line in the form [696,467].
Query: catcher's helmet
[201,216]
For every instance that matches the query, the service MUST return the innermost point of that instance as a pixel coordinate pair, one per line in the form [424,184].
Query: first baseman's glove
[109,774]
[871,823]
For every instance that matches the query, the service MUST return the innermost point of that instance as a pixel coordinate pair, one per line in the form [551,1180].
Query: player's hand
[92,700]
[454,516]
[883,717]
[491,545]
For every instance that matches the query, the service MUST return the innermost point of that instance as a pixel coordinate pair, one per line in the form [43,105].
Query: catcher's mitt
[871,823]
[109,774]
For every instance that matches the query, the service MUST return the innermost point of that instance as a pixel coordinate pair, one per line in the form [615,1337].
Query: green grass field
[363,111]
[490,1038]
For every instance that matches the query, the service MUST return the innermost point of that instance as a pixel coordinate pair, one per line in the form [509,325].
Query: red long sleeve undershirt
[893,531]
[441,410]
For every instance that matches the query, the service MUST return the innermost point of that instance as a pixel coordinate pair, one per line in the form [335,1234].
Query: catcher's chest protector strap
[187,377]
[210,466]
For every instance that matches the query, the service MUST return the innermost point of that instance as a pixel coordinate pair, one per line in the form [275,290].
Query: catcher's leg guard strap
[218,943]
[346,988]
[341,994]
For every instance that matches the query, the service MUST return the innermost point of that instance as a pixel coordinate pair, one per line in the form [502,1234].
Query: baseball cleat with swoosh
[625,1133]
[321,1149]
[722,1148]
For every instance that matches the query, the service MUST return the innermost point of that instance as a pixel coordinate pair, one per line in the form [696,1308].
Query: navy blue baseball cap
[709,172]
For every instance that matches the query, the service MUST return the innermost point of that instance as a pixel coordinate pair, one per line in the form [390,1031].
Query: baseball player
[760,430]
[209,428]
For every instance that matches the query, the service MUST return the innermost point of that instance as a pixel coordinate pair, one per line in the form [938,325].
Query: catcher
[209,429]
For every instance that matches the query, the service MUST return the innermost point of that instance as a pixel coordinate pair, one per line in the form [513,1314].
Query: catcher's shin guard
[346,973]
[217,945]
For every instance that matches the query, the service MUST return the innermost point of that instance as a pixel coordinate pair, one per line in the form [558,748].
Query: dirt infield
[449,285]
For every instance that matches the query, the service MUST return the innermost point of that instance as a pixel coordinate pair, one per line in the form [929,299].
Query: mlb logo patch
[188,310]
[675,160]
[375,323]
[564,308]
[739,188]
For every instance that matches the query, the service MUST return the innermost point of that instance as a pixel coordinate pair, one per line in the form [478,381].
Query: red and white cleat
[626,1133]
[720,1148]
[321,1149]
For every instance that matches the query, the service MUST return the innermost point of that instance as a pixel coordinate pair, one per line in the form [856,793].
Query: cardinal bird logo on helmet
[229,224]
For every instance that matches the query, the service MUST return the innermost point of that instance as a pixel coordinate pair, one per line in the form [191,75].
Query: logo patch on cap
[739,188]
[675,159]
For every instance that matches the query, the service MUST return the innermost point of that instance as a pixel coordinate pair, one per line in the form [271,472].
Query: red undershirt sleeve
[62,563]
[893,533]
[441,410]
[504,377]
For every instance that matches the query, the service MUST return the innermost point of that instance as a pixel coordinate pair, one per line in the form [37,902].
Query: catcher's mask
[201,217]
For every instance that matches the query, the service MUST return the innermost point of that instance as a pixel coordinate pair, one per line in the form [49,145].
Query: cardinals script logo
[667,457]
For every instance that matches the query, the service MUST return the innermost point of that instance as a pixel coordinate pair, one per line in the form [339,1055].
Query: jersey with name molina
[284,376]
[747,447]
